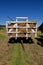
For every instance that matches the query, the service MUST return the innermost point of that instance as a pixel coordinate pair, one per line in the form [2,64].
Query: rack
[24,28]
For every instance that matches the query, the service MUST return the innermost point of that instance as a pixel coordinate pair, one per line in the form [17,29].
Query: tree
[41,28]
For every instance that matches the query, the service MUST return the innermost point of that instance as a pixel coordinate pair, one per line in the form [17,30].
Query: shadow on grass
[21,40]
[40,41]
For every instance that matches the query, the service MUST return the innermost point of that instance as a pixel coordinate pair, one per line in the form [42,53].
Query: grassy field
[13,53]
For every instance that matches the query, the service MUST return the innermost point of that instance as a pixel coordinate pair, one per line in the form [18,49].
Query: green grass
[13,54]
[39,34]
[2,36]
[16,56]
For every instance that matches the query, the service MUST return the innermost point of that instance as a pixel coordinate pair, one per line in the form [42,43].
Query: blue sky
[33,9]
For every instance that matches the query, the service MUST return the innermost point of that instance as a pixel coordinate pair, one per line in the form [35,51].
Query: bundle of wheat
[11,30]
[29,30]
[32,25]
[23,30]
[21,24]
[21,35]
[11,24]
[13,35]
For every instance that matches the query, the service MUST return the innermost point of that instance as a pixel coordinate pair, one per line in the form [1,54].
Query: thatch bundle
[13,30]
[11,24]
[22,30]
[29,30]
[32,25]
[21,24]
[13,35]
[21,35]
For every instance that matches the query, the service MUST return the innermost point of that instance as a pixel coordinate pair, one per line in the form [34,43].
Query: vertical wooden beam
[7,26]
[36,31]
[27,29]
[16,31]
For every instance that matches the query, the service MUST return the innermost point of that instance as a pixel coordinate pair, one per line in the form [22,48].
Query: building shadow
[40,41]
[21,40]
